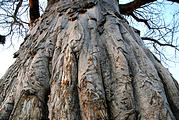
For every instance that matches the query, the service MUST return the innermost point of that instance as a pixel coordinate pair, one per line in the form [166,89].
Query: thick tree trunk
[81,60]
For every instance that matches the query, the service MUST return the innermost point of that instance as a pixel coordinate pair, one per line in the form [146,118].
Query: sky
[7,50]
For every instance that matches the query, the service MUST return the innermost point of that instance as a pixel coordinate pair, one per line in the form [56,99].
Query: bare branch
[159,43]
[127,9]
[174,1]
[34,10]
[2,39]
[141,20]
[17,9]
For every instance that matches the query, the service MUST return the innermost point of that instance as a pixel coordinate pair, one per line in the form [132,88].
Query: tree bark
[82,61]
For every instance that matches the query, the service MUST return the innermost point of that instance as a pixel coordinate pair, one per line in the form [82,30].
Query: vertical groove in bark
[169,84]
[6,94]
[173,104]
[91,90]
[121,96]
[84,59]
[151,97]
[64,101]
[151,83]
[30,88]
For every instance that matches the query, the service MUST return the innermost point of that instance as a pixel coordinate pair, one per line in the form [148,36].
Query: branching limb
[159,43]
[141,20]
[127,9]
[34,10]
[17,9]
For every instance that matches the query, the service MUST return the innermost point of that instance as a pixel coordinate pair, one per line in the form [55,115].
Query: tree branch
[141,20]
[127,9]
[17,9]
[159,43]
[174,1]
[2,39]
[34,10]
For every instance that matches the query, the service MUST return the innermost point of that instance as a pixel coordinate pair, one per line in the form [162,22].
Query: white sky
[6,55]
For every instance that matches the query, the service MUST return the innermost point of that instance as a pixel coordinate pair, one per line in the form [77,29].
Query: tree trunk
[82,61]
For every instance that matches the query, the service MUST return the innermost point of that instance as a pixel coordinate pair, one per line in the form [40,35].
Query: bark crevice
[82,61]
[172,105]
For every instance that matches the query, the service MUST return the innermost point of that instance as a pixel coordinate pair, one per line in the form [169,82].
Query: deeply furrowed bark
[81,60]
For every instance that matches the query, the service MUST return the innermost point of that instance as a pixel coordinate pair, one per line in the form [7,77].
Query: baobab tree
[82,60]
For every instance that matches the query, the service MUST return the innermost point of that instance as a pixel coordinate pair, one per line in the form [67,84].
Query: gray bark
[82,61]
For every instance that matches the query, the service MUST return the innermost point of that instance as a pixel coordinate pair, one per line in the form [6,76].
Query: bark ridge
[82,61]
